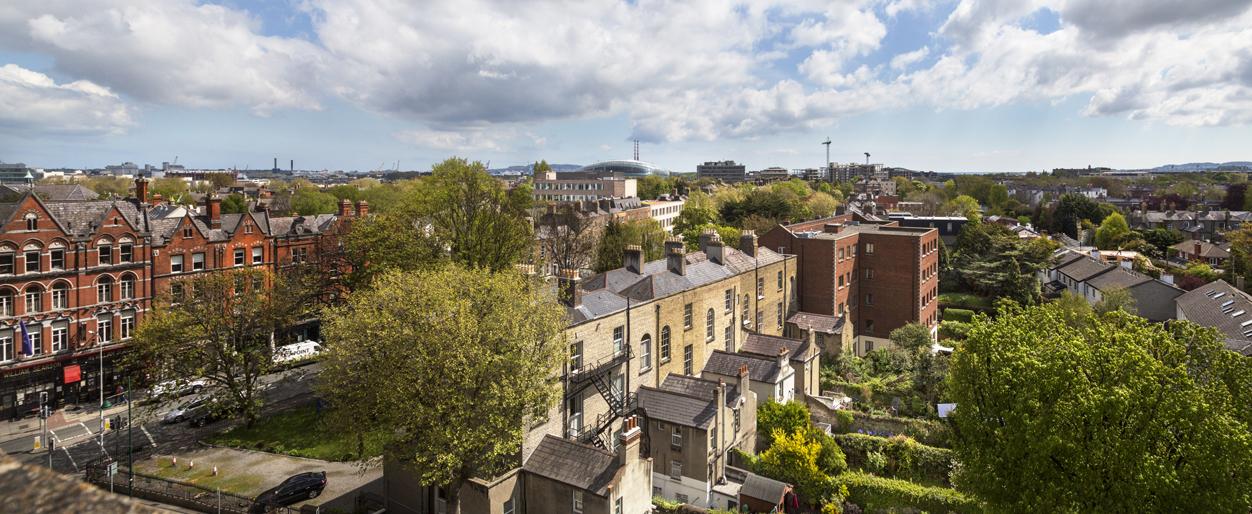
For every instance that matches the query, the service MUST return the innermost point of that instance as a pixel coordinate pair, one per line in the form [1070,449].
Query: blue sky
[953,85]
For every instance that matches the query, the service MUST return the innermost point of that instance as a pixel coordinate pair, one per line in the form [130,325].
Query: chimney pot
[748,243]
[633,259]
[567,287]
[213,208]
[141,189]
[345,208]
[675,256]
[362,208]
[716,251]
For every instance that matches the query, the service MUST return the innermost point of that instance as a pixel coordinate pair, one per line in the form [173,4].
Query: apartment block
[576,186]
[725,171]
[877,276]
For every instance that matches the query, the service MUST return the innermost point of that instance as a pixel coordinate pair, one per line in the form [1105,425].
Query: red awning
[73,373]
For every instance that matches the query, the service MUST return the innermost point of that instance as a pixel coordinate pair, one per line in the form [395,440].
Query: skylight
[1237,313]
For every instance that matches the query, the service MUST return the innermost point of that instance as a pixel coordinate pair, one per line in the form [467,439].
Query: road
[78,444]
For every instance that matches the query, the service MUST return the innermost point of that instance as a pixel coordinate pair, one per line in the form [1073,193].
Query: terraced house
[78,273]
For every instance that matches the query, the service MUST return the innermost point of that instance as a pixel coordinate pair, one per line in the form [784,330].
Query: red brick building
[877,275]
[78,274]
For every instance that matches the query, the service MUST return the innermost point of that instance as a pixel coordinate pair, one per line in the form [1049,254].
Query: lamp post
[100,379]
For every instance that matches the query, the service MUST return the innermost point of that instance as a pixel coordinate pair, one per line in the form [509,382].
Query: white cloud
[471,138]
[31,102]
[904,60]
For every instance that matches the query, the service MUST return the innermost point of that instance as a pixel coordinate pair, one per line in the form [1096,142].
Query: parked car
[180,413]
[296,352]
[204,414]
[297,488]
[178,387]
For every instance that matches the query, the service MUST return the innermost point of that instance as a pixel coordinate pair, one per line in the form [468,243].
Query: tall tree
[221,326]
[447,365]
[392,240]
[1112,232]
[1071,210]
[568,237]
[472,214]
[646,233]
[1111,414]
[1116,299]
[963,205]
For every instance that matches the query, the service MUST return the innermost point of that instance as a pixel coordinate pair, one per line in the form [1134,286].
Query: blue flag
[27,348]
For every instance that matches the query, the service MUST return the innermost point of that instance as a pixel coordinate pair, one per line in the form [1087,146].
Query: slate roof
[1081,270]
[1118,278]
[767,346]
[570,462]
[1220,305]
[760,369]
[819,322]
[82,218]
[677,408]
[702,388]
[1207,249]
[49,192]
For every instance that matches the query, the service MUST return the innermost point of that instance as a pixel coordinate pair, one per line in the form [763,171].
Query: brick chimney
[705,237]
[632,258]
[141,189]
[747,242]
[675,256]
[362,208]
[567,287]
[631,436]
[345,208]
[157,199]
[1196,249]
[832,228]
[716,251]
[213,209]
[742,381]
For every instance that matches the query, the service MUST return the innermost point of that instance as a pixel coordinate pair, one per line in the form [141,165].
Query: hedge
[962,315]
[925,431]
[877,494]
[904,458]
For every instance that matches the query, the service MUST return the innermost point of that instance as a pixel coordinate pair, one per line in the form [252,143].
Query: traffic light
[43,405]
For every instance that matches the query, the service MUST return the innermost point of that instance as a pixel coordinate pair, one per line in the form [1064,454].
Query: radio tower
[636,149]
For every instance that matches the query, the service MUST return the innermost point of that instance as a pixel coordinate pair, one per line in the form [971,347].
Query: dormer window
[186,232]
[247,229]
[32,221]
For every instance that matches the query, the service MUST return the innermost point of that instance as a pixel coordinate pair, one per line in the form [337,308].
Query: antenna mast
[636,149]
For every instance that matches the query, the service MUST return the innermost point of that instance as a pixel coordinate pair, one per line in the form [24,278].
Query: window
[239,257]
[32,261]
[869,272]
[676,467]
[128,287]
[35,333]
[746,321]
[32,221]
[760,288]
[176,264]
[676,439]
[618,340]
[247,228]
[713,438]
[869,326]
[780,281]
[708,325]
[576,356]
[730,300]
[575,407]
[299,255]
[256,255]
[687,317]
[6,302]
[869,248]
[869,298]
[841,281]
[6,263]
[6,345]
[508,506]
[128,325]
[105,250]
[760,319]
[577,506]
[682,498]
[60,296]
[186,232]
[645,352]
[687,360]
[617,505]
[665,343]
[126,252]
[60,336]
[104,290]
[34,299]
[730,335]
[780,314]
[197,261]
[869,346]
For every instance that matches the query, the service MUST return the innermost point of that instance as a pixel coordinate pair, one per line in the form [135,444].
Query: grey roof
[1083,269]
[678,408]
[702,388]
[50,192]
[1118,278]
[819,322]
[570,462]
[82,218]
[760,369]
[762,488]
[767,346]
[1207,249]
[1208,305]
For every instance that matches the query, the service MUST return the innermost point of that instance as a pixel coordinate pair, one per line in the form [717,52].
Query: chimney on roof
[157,198]
[719,449]
[782,358]
[716,251]
[632,258]
[567,287]
[631,436]
[675,256]
[141,189]
[707,235]
[1196,250]
[747,242]
[362,208]
[213,209]
[832,228]
[742,381]
[345,208]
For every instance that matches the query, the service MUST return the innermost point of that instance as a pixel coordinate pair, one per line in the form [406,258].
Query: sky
[951,85]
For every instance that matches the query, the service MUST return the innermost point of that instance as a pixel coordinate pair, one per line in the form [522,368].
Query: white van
[296,352]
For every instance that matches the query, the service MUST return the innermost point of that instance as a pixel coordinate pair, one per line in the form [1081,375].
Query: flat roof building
[725,171]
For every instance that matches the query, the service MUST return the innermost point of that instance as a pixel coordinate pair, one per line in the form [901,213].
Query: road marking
[145,432]
[71,458]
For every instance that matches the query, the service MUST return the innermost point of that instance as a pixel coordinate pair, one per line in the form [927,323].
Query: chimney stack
[705,237]
[213,208]
[631,435]
[632,258]
[747,242]
[362,208]
[1197,246]
[141,189]
[832,228]
[275,163]
[743,382]
[567,287]
[782,358]
[716,251]
[345,208]
[293,165]
[675,256]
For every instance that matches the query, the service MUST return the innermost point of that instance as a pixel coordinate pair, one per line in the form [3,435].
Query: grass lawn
[298,432]
[965,300]
[245,484]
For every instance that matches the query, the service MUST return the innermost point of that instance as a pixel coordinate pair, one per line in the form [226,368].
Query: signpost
[112,471]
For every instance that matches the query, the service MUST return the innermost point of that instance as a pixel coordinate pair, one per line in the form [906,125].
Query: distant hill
[525,168]
[1205,166]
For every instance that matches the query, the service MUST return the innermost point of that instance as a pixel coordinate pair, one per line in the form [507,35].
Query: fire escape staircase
[621,404]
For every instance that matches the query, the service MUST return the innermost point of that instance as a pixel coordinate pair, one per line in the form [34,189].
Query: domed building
[628,168]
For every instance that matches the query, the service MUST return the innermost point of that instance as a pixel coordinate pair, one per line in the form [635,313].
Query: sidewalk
[28,428]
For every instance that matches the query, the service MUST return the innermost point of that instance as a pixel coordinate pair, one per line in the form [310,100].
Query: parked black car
[300,487]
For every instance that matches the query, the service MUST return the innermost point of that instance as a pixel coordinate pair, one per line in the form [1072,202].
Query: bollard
[38,443]
[191,464]
[174,461]
[214,470]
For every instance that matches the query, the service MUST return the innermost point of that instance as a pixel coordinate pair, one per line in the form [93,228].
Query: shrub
[952,329]
[877,494]
[898,456]
[843,421]
[961,315]
[925,431]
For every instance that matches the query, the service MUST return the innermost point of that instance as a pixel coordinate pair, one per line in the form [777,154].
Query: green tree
[219,326]
[912,337]
[1116,299]
[1112,414]
[794,458]
[1071,210]
[387,241]
[308,201]
[418,351]
[1112,233]
[541,167]
[964,205]
[171,189]
[646,233]
[993,261]
[470,213]
[1159,240]
[234,203]
[772,416]
[821,204]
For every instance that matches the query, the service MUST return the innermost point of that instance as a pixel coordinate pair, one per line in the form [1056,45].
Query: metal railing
[170,491]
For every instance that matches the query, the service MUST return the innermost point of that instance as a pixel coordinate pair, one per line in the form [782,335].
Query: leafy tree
[787,417]
[417,352]
[912,337]
[653,186]
[1112,233]
[821,204]
[1236,196]
[1071,210]
[220,180]
[469,212]
[1112,414]
[794,458]
[1159,240]
[567,237]
[219,326]
[387,241]
[541,167]
[646,233]
[995,262]
[171,189]
[234,203]
[1116,299]
[964,205]
[309,201]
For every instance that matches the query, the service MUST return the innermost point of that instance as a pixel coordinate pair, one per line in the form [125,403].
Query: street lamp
[100,380]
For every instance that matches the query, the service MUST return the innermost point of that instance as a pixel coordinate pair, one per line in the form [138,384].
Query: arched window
[665,343]
[128,287]
[30,253]
[708,325]
[104,248]
[6,302]
[32,221]
[645,352]
[104,289]
[60,296]
[34,299]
